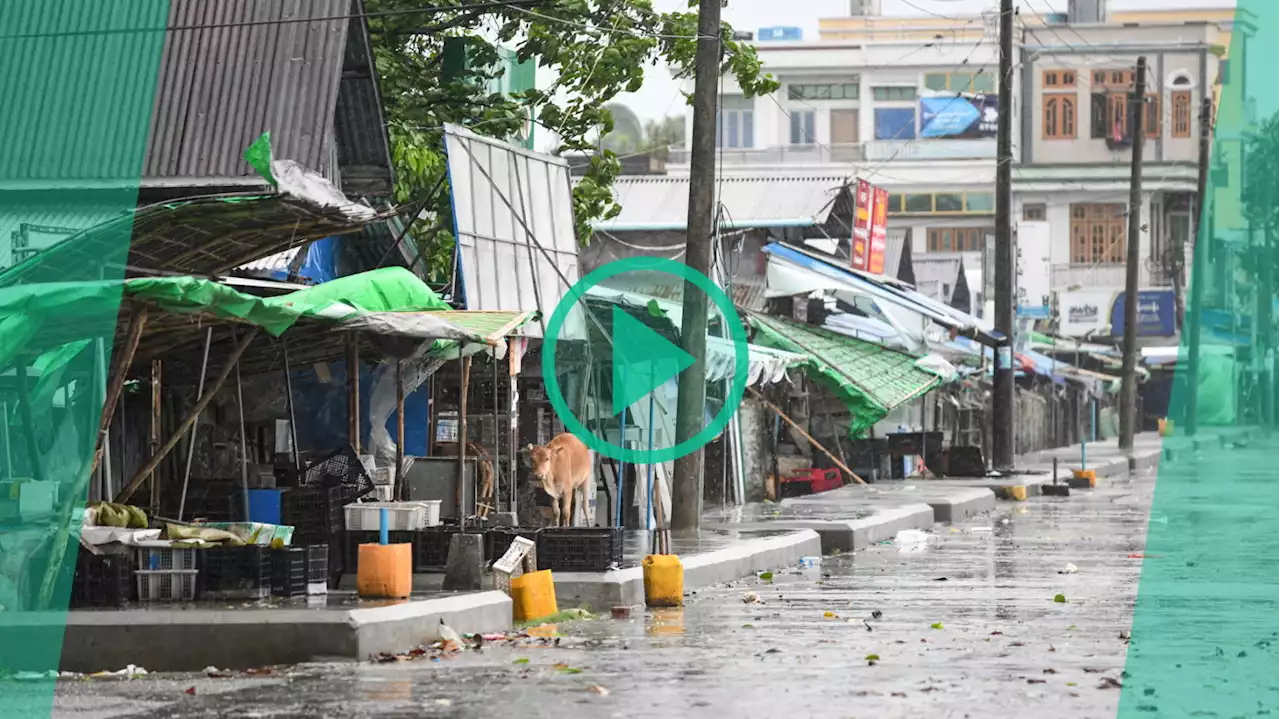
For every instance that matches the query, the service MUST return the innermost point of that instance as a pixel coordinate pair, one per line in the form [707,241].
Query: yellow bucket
[1087,476]
[533,596]
[663,580]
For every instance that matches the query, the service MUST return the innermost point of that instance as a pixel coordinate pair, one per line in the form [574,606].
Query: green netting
[869,379]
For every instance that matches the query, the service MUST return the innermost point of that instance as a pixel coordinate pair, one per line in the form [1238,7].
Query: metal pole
[1129,382]
[650,514]
[497,428]
[622,463]
[195,428]
[106,436]
[353,391]
[244,443]
[8,450]
[153,445]
[293,419]
[399,491]
[465,363]
[1199,265]
[686,495]
[1002,395]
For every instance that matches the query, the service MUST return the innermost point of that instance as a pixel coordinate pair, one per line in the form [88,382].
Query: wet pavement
[966,624]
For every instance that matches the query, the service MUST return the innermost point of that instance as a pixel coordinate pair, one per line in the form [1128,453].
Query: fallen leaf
[1060,598]
[900,695]
[997,634]
[1072,684]
[1092,670]
[766,576]
[1036,681]
[1072,628]
[597,689]
[1109,683]
[1051,671]
[940,579]
[521,661]
[876,614]
[566,669]
[830,615]
[1017,644]
[936,625]
[873,657]
[190,690]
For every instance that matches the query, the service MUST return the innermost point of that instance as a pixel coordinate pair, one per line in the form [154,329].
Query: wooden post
[244,443]
[293,418]
[806,435]
[153,445]
[353,391]
[190,419]
[400,491]
[136,324]
[465,363]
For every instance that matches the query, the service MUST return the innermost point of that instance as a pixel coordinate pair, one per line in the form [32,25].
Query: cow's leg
[566,508]
[555,511]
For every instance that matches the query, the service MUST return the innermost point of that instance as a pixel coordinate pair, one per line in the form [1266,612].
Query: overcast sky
[660,95]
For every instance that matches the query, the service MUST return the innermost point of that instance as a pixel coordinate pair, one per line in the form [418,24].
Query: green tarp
[869,379]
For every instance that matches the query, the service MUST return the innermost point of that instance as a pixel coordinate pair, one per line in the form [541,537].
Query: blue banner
[959,116]
[1156,310]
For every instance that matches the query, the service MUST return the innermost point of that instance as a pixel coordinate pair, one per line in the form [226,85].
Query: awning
[653,204]
[766,365]
[870,379]
[794,271]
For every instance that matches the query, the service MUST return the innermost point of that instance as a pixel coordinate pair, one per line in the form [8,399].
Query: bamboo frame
[136,324]
[817,445]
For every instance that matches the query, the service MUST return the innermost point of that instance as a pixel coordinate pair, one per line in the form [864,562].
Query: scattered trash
[900,695]
[216,673]
[566,669]
[597,689]
[1036,681]
[1125,635]
[1092,670]
[1140,555]
[936,625]
[909,537]
[1109,683]
[35,676]
[868,626]
[1060,598]
[830,615]
[751,598]
[997,633]
[876,614]
[810,562]
[190,690]
[1071,569]
[980,529]
[872,659]
[444,702]
[1050,671]
[1005,520]
[620,612]
[940,579]
[128,672]
[449,637]
[493,637]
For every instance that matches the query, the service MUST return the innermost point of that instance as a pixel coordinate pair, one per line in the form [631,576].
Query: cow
[563,467]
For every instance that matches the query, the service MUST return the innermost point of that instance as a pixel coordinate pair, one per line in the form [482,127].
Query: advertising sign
[1083,311]
[959,116]
[879,230]
[1156,310]
[1034,281]
[863,198]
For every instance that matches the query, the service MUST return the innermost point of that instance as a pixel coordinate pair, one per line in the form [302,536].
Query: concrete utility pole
[1199,264]
[1129,383]
[686,494]
[1002,383]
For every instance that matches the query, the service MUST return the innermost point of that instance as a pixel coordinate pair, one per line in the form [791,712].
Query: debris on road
[1071,569]
[1060,598]
[597,689]
[751,598]
[1109,683]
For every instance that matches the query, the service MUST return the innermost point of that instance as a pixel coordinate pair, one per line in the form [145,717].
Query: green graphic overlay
[641,360]
[79,86]
[1204,636]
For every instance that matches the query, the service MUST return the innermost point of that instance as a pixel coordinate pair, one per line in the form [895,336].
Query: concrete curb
[625,587]
[192,639]
[849,535]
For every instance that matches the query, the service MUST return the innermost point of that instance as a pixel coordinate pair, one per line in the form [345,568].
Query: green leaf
[766,576]
[1060,598]
[748,626]
[521,661]
[569,670]
[936,625]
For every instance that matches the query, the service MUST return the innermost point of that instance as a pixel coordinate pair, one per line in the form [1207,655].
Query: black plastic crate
[341,469]
[102,581]
[580,549]
[431,548]
[236,572]
[313,510]
[318,568]
[289,572]
[498,540]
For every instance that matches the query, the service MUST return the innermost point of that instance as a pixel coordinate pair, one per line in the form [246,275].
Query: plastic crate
[102,581]
[401,516]
[342,469]
[314,510]
[431,548]
[580,549]
[237,572]
[289,576]
[167,585]
[319,569]
[156,559]
[498,540]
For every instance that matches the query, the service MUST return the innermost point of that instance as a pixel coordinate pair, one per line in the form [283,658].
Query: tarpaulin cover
[869,379]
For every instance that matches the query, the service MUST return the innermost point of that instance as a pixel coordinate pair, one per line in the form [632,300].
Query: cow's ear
[528,449]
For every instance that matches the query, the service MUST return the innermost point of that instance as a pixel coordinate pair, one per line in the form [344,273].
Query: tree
[595,49]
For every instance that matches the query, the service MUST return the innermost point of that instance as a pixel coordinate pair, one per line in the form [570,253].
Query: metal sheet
[662,203]
[513,217]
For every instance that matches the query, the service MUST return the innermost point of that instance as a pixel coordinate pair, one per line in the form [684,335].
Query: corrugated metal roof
[893,243]
[215,90]
[659,203]
[936,268]
[364,152]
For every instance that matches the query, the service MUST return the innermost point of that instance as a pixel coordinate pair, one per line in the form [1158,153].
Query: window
[979,81]
[1059,117]
[893,94]
[943,203]
[823,91]
[1151,115]
[956,239]
[1180,114]
[1059,79]
[1113,79]
[802,127]
[735,128]
[1109,116]
[896,123]
[1098,233]
[1033,213]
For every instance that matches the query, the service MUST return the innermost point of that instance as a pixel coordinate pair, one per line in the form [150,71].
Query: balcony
[982,149]
[784,154]
[1106,276]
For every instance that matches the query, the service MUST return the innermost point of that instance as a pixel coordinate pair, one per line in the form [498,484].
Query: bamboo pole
[293,419]
[136,324]
[462,440]
[353,391]
[153,444]
[400,491]
[204,401]
[805,434]
[191,441]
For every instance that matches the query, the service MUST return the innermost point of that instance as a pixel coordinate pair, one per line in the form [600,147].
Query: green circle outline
[729,315]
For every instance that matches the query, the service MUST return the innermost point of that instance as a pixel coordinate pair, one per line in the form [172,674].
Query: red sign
[879,222]
[861,243]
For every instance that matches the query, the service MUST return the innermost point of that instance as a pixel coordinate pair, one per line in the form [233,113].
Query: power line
[432,9]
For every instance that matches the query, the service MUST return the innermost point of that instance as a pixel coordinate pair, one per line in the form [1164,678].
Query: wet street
[1024,612]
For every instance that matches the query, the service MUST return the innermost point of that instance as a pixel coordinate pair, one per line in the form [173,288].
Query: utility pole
[1198,277]
[1129,383]
[1002,395]
[686,481]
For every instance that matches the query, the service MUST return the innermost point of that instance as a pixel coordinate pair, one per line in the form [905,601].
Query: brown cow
[563,466]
